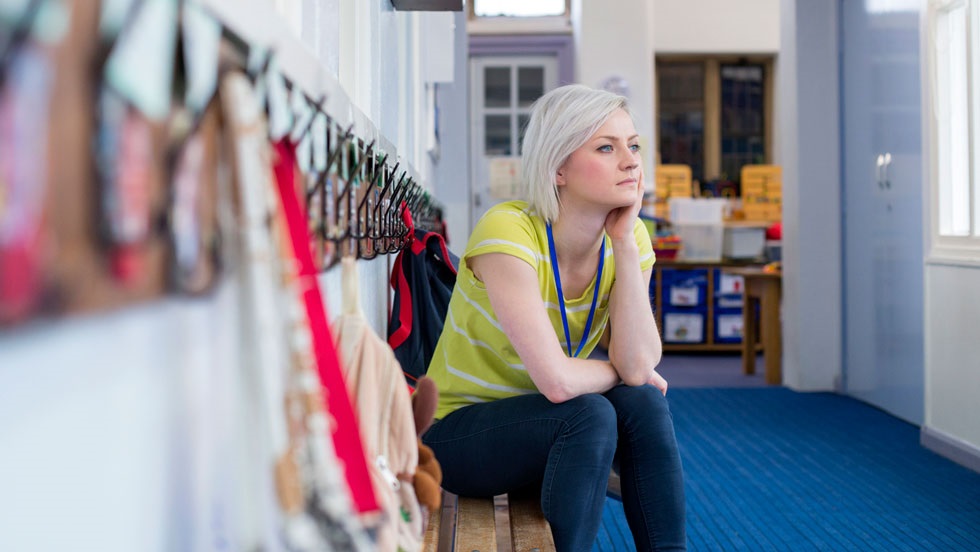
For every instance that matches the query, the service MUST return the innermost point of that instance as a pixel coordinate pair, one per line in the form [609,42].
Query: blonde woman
[541,283]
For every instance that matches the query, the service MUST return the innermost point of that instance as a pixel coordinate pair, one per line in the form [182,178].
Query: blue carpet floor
[772,469]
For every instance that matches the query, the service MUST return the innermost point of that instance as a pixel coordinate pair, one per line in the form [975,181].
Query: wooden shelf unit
[708,344]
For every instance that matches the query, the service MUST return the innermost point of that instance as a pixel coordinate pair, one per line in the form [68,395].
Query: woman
[541,283]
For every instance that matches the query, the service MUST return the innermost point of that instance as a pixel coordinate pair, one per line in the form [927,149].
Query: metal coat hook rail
[358,204]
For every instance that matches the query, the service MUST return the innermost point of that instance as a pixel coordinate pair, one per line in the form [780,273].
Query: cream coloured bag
[384,410]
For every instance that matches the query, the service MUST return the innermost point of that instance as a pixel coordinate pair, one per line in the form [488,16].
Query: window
[954,59]
[680,87]
[742,117]
[509,87]
[507,17]
[713,113]
[519,8]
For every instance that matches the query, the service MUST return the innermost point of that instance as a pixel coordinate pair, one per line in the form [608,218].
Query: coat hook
[335,154]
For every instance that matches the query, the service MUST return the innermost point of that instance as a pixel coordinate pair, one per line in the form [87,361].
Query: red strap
[404,294]
[346,435]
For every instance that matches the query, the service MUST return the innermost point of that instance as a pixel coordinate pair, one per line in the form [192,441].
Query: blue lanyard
[561,297]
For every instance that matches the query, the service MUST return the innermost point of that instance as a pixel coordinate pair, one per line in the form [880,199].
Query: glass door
[502,91]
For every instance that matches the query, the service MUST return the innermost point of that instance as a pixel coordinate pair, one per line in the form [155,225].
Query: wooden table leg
[763,294]
[748,333]
[771,332]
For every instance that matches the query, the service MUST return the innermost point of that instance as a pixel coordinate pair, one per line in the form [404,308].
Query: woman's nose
[630,162]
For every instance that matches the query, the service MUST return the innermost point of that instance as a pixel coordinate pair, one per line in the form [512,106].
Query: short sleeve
[647,257]
[505,229]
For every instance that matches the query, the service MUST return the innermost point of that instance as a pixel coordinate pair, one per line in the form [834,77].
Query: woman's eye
[606,148]
[635,147]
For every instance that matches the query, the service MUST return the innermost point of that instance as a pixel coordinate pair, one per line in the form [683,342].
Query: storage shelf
[708,344]
[706,347]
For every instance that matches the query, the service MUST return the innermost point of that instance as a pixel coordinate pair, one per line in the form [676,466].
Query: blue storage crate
[685,287]
[684,325]
[728,325]
[729,289]
[728,284]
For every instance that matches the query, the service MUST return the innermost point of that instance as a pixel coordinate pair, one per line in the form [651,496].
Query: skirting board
[955,449]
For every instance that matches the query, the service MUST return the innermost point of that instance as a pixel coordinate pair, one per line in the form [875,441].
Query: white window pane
[518,8]
[953,139]
[496,86]
[497,135]
[530,85]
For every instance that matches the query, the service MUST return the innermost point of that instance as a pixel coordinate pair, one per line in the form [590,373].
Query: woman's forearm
[579,377]
[634,346]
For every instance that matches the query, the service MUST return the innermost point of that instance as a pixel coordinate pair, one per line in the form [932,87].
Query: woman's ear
[560,176]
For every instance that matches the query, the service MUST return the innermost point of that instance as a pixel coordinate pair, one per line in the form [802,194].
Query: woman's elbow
[555,393]
[640,370]
[636,377]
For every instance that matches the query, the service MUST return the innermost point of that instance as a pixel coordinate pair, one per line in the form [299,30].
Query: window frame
[946,249]
[711,138]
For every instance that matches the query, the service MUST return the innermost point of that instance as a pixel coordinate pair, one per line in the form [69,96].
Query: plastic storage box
[698,223]
[700,242]
[686,210]
[743,241]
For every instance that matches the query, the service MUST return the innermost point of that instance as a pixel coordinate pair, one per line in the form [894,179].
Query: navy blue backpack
[423,278]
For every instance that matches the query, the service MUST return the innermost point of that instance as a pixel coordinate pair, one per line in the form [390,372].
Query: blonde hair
[561,122]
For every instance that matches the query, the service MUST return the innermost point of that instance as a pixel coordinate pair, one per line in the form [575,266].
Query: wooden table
[763,290]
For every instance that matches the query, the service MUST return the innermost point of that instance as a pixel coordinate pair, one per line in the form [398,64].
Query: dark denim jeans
[567,450]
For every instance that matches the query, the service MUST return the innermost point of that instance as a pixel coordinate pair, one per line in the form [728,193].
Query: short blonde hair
[561,122]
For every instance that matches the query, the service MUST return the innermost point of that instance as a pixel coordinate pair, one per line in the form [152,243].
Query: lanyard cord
[561,296]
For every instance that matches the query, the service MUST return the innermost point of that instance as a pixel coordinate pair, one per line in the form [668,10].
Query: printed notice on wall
[505,177]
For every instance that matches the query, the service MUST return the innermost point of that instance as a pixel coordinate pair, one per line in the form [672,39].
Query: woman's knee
[593,411]
[591,418]
[641,401]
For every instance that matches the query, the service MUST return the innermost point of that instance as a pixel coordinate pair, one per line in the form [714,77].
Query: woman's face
[605,171]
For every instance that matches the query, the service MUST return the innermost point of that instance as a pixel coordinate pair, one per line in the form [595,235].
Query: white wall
[716,26]
[952,359]
[450,176]
[952,316]
[116,429]
[619,42]
[130,430]
[808,118]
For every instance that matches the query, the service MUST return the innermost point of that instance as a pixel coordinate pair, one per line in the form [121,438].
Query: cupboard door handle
[879,166]
[884,167]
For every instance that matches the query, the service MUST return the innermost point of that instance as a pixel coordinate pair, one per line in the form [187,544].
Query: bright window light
[887,6]
[518,8]
[953,136]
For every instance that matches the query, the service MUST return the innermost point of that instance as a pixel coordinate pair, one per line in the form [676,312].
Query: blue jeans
[567,450]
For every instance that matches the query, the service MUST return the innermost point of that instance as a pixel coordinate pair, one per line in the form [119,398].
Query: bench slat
[475,530]
[529,530]
[431,542]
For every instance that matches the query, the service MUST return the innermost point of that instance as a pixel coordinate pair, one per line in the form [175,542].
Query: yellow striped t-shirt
[474,360]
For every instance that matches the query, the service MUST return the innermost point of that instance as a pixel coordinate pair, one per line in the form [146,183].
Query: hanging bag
[423,278]
[384,412]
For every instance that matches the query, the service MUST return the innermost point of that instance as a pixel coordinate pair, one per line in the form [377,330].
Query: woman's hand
[659,382]
[620,221]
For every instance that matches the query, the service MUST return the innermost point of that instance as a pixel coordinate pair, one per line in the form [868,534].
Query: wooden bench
[488,525]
